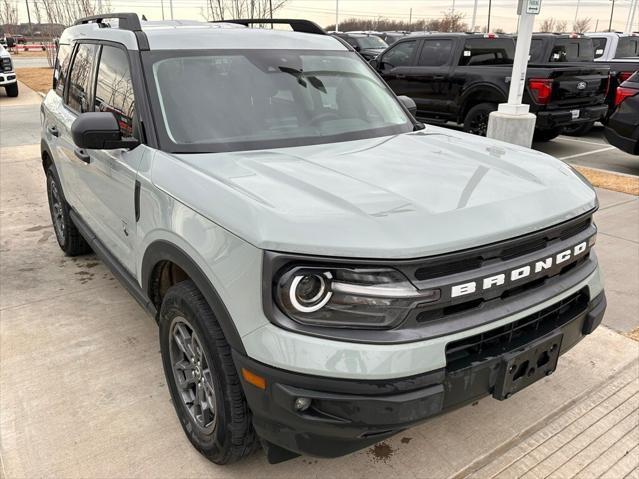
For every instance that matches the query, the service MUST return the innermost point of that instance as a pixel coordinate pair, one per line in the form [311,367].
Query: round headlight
[309,292]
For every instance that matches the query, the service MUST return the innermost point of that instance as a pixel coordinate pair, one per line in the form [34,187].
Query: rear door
[428,80]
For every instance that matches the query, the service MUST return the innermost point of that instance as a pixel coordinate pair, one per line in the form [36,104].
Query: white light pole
[513,122]
[631,16]
[576,12]
[472,23]
[337,15]
[171,8]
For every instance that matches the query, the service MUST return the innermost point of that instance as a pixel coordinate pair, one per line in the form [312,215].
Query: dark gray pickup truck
[574,48]
[462,77]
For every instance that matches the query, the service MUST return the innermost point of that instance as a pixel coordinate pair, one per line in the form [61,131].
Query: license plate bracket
[527,365]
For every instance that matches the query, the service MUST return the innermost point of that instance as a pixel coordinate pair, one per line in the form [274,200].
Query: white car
[614,46]
[7,76]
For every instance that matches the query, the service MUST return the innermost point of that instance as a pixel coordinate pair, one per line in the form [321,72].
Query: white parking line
[581,141]
[587,153]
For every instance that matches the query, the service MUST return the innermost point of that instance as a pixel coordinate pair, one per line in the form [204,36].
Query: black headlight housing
[346,296]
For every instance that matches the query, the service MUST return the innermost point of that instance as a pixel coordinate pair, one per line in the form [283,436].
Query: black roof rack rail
[298,25]
[127,21]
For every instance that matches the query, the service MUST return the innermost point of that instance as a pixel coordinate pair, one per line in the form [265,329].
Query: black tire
[67,234]
[225,434]
[12,90]
[476,121]
[547,135]
[579,129]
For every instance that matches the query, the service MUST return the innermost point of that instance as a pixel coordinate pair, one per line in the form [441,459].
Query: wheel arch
[45,155]
[161,254]
[482,93]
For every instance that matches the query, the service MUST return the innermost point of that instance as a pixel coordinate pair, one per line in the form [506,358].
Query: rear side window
[599,46]
[80,78]
[61,68]
[537,51]
[627,47]
[572,51]
[114,88]
[487,51]
[435,53]
[400,55]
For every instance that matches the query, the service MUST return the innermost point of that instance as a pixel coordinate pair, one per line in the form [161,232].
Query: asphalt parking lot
[83,392]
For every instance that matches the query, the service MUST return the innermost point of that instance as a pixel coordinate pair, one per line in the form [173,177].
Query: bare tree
[582,25]
[8,13]
[547,25]
[228,9]
[561,26]
[449,22]
[66,12]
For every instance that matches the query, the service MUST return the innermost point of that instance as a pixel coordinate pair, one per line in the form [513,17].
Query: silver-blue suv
[325,270]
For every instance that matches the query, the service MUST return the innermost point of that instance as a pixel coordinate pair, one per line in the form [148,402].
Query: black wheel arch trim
[467,97]
[162,250]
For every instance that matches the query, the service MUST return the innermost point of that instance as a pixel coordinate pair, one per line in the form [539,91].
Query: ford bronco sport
[324,270]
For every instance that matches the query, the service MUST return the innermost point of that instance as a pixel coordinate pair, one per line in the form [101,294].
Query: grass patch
[38,79]
[634,334]
[611,181]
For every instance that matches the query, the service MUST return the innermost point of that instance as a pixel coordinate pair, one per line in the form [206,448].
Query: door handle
[82,155]
[53,130]
[400,76]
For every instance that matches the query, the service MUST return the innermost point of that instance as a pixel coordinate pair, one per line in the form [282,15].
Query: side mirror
[374,63]
[409,103]
[99,131]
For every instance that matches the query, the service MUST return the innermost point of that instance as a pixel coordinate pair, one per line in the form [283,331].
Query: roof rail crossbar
[304,26]
[127,21]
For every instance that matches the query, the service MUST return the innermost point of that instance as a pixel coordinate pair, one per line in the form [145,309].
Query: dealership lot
[83,392]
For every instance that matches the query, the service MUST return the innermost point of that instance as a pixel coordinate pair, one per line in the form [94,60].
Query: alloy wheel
[57,211]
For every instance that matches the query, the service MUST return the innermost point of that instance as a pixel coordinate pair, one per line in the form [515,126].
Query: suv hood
[404,196]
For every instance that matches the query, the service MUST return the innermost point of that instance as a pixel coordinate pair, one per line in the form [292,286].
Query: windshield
[370,41]
[254,99]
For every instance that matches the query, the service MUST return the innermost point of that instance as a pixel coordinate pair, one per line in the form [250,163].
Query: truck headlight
[371,298]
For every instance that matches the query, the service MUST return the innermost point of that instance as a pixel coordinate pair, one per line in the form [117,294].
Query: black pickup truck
[575,48]
[462,77]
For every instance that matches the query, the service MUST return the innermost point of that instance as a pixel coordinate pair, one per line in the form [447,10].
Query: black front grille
[477,257]
[462,353]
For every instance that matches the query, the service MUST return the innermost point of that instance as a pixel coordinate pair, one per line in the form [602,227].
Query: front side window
[398,56]
[80,78]
[61,68]
[114,88]
[435,53]
[599,46]
[254,99]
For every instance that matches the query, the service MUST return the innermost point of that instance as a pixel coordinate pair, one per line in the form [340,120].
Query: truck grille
[495,342]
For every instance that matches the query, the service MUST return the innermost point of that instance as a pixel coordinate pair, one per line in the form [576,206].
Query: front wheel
[202,379]
[547,135]
[12,90]
[476,121]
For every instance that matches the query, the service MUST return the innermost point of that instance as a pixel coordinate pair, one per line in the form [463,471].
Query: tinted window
[399,55]
[351,41]
[248,99]
[435,53]
[627,47]
[61,68]
[572,50]
[80,76]
[599,46]
[487,52]
[536,51]
[114,89]
[370,41]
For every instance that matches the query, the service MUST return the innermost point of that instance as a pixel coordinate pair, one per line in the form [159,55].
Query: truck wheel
[67,234]
[12,90]
[202,379]
[547,135]
[579,129]
[476,121]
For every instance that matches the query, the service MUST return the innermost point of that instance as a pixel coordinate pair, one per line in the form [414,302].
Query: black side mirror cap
[374,62]
[409,103]
[99,131]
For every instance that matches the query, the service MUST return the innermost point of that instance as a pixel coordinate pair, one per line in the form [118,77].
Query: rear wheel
[12,90]
[202,379]
[476,121]
[547,135]
[67,234]
[579,129]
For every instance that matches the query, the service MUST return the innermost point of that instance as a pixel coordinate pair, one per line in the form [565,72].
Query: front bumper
[7,78]
[349,414]
[553,118]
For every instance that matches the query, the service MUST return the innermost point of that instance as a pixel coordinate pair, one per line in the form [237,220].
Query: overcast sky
[323,11]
